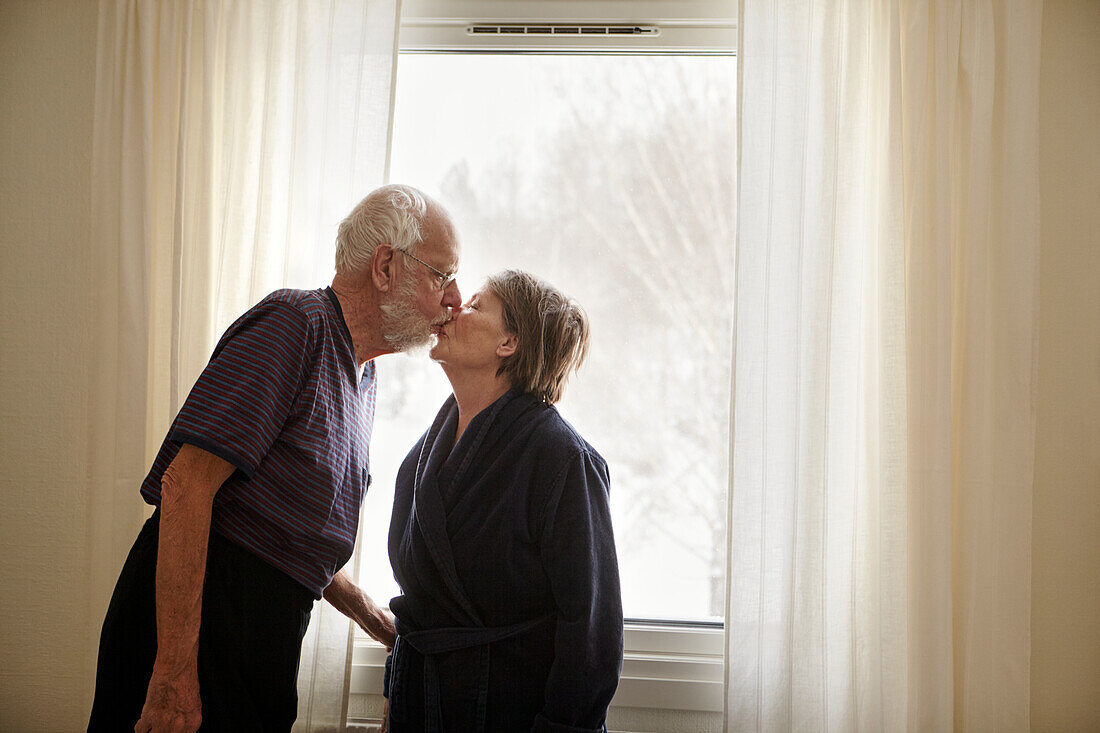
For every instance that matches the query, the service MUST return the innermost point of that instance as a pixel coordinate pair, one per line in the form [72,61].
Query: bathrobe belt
[431,642]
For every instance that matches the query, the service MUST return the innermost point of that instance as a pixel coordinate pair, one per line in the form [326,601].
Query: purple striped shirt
[281,399]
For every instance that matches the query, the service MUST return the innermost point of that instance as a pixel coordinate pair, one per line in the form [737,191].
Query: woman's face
[475,338]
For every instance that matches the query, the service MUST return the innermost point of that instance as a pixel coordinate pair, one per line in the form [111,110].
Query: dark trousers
[250,638]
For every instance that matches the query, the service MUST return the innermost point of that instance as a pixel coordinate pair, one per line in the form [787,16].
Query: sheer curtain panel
[884,366]
[230,138]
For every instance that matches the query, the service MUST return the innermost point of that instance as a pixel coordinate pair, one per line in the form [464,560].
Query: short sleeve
[244,396]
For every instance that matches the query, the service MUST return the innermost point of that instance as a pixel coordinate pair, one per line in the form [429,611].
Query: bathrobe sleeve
[578,555]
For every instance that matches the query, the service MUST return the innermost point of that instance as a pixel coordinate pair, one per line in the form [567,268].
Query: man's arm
[187,496]
[350,600]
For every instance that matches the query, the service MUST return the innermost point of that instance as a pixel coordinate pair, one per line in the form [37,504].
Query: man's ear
[508,346]
[382,267]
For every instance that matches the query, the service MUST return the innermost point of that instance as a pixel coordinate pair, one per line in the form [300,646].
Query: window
[607,167]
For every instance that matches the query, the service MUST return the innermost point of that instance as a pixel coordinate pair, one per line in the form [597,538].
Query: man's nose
[452,298]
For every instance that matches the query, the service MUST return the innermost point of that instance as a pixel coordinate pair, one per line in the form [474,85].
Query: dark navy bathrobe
[511,617]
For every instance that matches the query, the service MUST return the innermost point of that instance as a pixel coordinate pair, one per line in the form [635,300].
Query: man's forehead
[440,254]
[441,243]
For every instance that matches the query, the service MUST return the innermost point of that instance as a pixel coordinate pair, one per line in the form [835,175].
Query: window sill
[664,668]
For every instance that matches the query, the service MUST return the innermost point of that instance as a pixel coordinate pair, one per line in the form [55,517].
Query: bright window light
[613,178]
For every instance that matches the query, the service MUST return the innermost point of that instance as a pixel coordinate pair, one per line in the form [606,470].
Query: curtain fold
[230,138]
[884,366]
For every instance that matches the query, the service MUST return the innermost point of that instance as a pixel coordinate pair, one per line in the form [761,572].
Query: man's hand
[350,600]
[172,704]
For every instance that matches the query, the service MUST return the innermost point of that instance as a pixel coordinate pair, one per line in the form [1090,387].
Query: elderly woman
[511,617]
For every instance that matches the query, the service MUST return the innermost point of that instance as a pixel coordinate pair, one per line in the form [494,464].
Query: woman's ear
[508,346]
[382,267]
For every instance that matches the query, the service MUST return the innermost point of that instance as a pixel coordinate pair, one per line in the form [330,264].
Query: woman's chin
[435,353]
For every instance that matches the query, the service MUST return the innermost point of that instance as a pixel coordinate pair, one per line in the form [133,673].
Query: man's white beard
[403,326]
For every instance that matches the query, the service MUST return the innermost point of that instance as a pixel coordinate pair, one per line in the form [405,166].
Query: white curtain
[885,352]
[230,138]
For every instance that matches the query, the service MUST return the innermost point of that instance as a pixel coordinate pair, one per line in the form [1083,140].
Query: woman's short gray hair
[391,215]
[551,328]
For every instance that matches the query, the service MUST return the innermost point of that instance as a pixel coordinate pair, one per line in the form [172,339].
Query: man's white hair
[392,215]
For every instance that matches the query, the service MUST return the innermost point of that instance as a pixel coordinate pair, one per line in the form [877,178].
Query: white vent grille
[585,29]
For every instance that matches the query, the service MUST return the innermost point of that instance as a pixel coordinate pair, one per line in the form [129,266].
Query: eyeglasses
[444,280]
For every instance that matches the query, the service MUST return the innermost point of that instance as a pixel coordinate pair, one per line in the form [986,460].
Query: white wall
[1065,595]
[47,62]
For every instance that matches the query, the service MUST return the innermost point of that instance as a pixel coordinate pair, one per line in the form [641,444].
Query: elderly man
[259,481]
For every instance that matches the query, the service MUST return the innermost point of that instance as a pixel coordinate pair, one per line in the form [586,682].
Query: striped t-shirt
[282,400]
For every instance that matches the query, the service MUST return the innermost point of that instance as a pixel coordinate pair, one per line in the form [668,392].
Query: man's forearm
[181,568]
[187,492]
[350,600]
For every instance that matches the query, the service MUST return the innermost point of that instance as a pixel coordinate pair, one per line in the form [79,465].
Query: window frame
[667,665]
